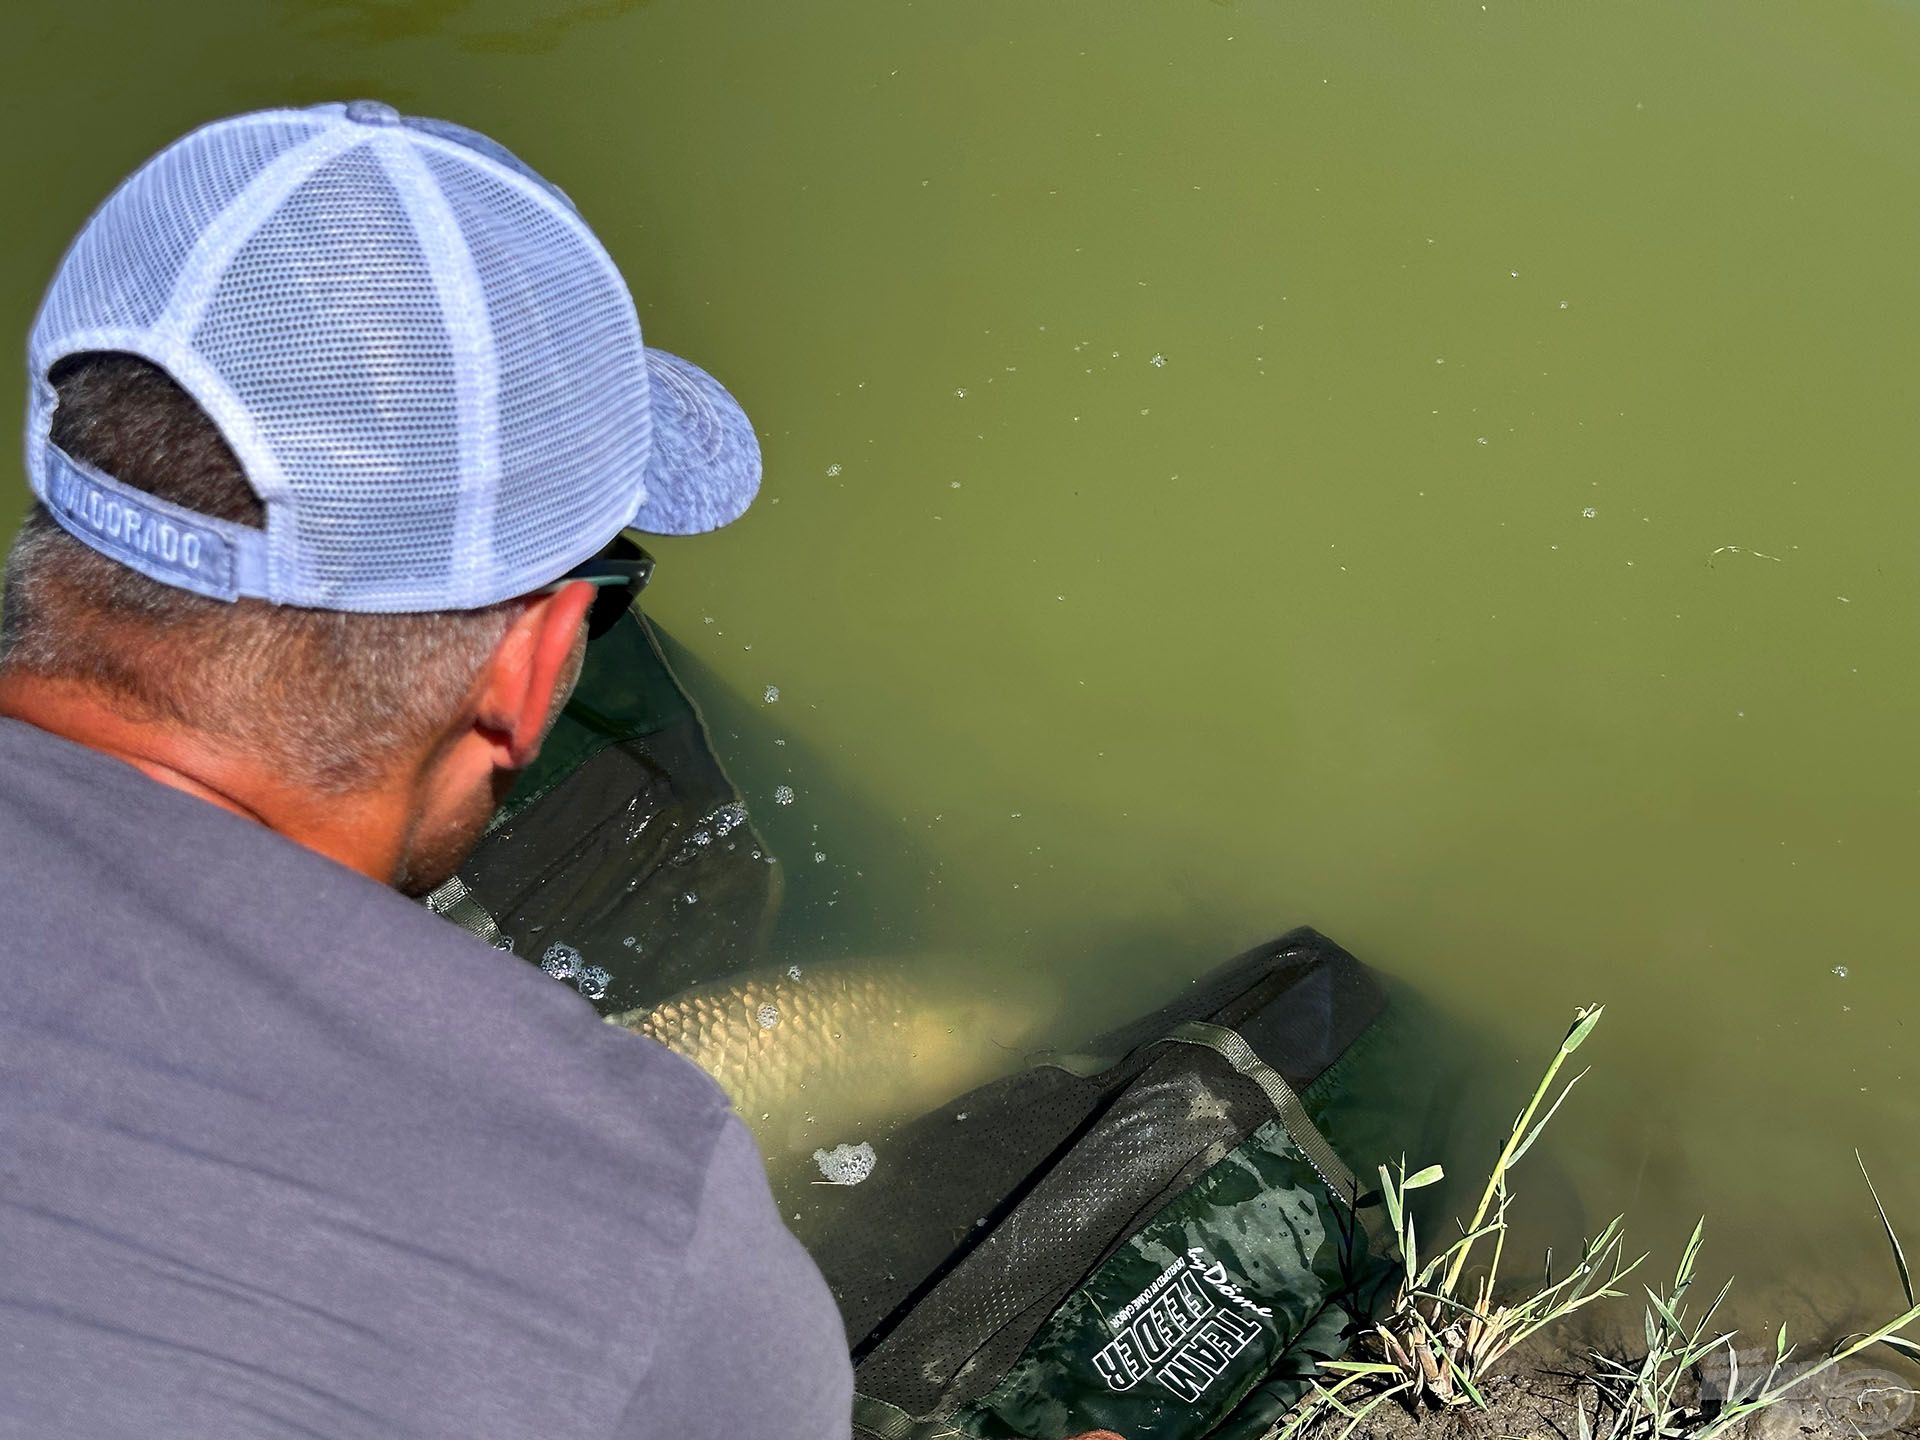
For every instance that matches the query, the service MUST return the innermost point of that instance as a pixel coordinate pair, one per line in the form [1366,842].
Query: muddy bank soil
[1543,1403]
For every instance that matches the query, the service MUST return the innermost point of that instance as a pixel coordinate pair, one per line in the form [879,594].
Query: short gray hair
[333,699]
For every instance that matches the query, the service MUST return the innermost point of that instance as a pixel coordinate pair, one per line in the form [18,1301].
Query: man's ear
[528,667]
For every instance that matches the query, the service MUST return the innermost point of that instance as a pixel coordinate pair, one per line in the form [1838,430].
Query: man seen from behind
[337,420]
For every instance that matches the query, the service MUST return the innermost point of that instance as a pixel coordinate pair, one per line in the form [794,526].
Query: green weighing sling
[1153,1237]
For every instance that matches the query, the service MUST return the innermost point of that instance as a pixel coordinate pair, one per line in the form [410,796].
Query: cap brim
[705,467]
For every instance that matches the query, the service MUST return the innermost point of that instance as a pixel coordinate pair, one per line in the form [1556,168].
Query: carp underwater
[818,1054]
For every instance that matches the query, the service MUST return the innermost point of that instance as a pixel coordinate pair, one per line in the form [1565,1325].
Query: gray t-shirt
[282,1154]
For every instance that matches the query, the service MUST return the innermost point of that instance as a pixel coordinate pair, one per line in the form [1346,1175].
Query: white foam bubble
[783,794]
[768,1015]
[845,1164]
[563,963]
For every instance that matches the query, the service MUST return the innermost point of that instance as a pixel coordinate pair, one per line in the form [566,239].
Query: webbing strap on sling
[453,901]
[1232,1047]
[889,1422]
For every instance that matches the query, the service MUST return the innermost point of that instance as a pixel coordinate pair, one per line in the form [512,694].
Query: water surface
[1441,473]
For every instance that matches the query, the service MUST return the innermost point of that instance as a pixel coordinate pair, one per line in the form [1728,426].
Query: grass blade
[1583,1023]
[1392,1198]
[1899,1256]
[1358,1367]
[1534,1134]
[1683,1276]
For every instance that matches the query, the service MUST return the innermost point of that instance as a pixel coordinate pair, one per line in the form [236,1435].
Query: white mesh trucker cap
[428,366]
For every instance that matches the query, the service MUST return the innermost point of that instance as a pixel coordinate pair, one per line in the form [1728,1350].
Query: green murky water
[1440,473]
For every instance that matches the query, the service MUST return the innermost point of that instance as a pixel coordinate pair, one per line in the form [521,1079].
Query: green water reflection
[1440,473]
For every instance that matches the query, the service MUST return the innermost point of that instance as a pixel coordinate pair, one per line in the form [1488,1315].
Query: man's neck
[364,831]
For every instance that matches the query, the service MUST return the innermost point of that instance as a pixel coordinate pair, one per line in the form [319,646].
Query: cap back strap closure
[163,541]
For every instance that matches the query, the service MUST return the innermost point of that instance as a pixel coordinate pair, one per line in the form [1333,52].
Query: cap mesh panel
[418,304]
[572,373]
[328,330]
[124,264]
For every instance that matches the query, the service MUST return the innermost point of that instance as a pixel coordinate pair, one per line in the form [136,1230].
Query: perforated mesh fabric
[1182,1114]
[120,272]
[548,306]
[427,364]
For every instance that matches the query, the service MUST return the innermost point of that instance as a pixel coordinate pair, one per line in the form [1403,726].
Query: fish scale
[835,1035]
